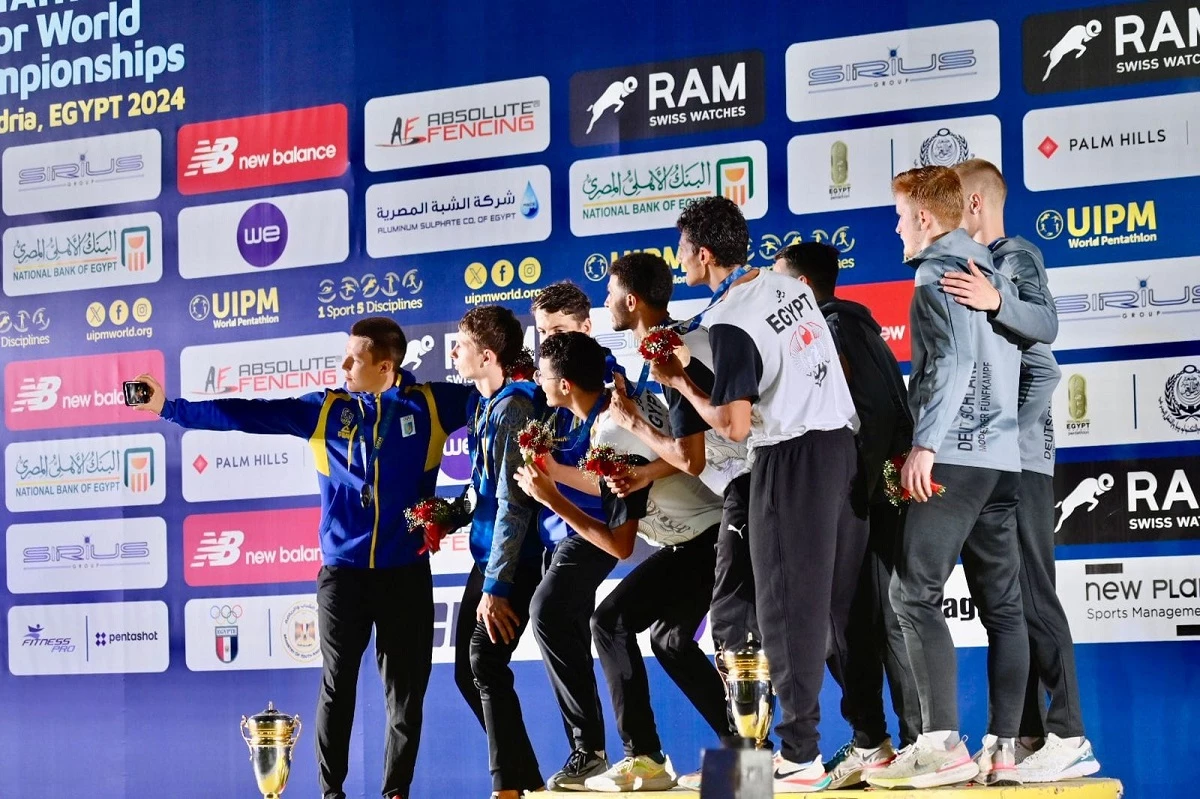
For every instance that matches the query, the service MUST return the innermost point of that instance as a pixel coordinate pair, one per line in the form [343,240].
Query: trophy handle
[244,729]
[296,736]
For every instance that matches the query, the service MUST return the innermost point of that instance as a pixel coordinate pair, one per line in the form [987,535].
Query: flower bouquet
[896,494]
[537,441]
[439,517]
[659,345]
[603,460]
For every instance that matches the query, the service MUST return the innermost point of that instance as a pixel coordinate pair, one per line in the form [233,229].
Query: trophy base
[743,773]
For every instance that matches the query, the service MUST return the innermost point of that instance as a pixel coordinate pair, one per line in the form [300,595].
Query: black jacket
[876,386]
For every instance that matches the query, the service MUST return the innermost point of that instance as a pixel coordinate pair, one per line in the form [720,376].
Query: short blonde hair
[983,177]
[936,189]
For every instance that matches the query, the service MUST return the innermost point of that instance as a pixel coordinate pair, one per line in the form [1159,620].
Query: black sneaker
[580,765]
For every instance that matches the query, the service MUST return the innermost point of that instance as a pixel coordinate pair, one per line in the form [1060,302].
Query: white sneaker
[1059,760]
[847,767]
[689,781]
[997,762]
[799,777]
[926,764]
[641,773]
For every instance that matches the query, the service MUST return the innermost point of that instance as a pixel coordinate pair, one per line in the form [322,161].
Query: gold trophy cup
[271,736]
[745,772]
[748,687]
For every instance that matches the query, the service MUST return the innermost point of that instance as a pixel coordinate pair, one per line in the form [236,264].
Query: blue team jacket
[502,532]
[404,471]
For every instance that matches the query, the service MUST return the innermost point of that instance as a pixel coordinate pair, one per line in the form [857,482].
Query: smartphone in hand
[137,392]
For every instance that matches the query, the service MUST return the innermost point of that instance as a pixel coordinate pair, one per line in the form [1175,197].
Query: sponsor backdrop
[215,192]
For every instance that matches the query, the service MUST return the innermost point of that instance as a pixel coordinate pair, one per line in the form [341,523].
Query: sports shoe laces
[626,766]
[839,756]
[577,763]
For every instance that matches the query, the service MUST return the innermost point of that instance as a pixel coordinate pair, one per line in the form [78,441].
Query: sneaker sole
[1005,778]
[938,779]
[654,784]
[787,786]
[849,780]
[1084,769]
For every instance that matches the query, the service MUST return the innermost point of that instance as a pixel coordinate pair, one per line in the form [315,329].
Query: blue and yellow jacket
[502,527]
[333,421]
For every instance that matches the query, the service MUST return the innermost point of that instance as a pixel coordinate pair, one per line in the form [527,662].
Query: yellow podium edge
[1091,788]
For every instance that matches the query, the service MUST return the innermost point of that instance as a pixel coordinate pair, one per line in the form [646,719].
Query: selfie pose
[377,443]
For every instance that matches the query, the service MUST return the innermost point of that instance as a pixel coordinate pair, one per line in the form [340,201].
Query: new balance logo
[219,549]
[37,394]
[212,156]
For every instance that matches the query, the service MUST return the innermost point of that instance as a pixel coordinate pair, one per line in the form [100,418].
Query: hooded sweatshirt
[1031,316]
[963,388]
[503,526]
[876,386]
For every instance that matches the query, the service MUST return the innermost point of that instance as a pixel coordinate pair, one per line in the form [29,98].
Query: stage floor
[1070,789]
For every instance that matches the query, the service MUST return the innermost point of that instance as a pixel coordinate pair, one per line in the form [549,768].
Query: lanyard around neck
[687,326]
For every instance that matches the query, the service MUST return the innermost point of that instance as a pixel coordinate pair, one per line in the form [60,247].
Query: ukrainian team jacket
[503,524]
[419,418]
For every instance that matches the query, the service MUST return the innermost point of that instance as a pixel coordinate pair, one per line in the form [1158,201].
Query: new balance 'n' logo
[212,156]
[37,394]
[219,549]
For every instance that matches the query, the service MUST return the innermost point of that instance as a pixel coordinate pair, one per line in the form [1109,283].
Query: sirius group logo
[892,70]
[81,173]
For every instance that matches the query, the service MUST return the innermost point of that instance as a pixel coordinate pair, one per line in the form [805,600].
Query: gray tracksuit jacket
[1031,316]
[965,371]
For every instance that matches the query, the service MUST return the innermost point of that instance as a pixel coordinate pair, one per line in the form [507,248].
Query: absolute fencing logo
[667,98]
[463,123]
[1111,46]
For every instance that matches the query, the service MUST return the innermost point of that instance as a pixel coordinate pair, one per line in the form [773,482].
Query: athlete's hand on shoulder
[973,290]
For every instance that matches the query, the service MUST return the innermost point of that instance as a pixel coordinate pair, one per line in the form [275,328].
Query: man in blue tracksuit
[504,543]
[377,444]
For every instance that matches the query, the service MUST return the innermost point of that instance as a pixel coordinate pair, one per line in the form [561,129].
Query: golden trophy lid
[747,660]
[271,720]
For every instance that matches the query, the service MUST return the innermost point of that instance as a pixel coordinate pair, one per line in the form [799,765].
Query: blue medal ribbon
[685,327]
